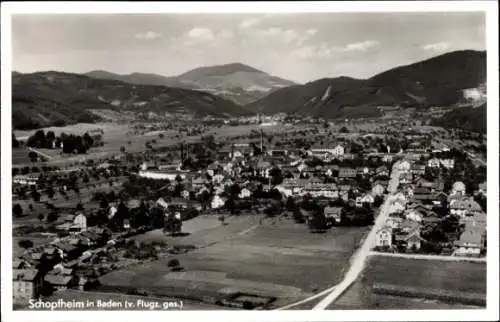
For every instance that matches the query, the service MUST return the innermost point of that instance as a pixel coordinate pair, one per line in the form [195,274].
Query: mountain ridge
[56,98]
[237,82]
[437,81]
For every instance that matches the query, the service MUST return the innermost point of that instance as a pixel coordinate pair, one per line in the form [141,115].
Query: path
[431,257]
[48,157]
[359,259]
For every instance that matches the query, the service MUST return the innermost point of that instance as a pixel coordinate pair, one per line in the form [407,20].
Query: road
[359,258]
[431,257]
[48,157]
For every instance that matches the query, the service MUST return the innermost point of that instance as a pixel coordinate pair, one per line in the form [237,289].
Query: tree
[32,156]
[173,225]
[25,243]
[378,201]
[290,204]
[344,130]
[174,262]
[17,210]
[317,223]
[15,142]
[50,192]
[276,176]
[52,217]
[122,149]
[103,204]
[230,204]
[79,207]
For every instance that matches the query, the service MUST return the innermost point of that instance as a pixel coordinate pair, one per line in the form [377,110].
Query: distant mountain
[134,78]
[55,98]
[237,82]
[438,81]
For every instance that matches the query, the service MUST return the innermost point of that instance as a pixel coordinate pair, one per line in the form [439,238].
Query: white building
[245,193]
[171,176]
[80,222]
[218,202]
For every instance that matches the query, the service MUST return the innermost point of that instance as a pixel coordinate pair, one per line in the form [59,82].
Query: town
[284,191]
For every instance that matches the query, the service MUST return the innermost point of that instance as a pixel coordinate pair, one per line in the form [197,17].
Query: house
[471,243]
[278,152]
[400,197]
[327,190]
[417,169]
[218,202]
[185,194]
[433,163]
[481,189]
[424,198]
[338,151]
[382,171]
[458,189]
[344,191]
[363,170]
[430,217]
[69,251]
[347,173]
[365,199]
[387,157]
[406,177]
[413,215]
[27,284]
[333,214]
[327,153]
[384,237]
[402,165]
[393,221]
[447,163]
[61,281]
[331,170]
[244,193]
[477,221]
[213,168]
[461,207]
[396,207]
[30,180]
[198,183]
[80,222]
[178,204]
[378,190]
[411,239]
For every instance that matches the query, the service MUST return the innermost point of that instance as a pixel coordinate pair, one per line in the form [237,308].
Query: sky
[301,47]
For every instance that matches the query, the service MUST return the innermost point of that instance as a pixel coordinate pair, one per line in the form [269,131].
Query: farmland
[415,276]
[116,136]
[281,260]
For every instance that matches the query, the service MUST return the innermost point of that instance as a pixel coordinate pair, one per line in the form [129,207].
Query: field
[20,156]
[283,260]
[467,279]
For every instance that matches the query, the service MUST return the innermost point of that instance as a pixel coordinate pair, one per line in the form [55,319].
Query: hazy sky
[299,47]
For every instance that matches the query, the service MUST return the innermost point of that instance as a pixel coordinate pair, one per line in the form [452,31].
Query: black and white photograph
[286,159]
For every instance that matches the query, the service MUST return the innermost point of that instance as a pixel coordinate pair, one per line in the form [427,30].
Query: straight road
[359,259]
